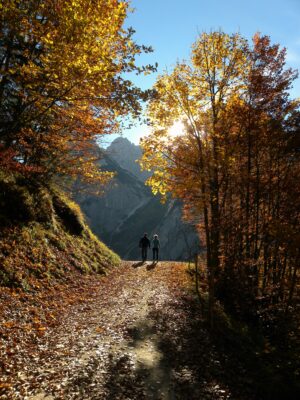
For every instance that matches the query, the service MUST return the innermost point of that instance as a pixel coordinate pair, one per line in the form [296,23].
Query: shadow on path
[151,266]
[148,266]
[170,356]
[138,264]
[145,339]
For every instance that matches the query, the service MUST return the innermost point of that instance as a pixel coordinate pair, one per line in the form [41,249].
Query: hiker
[155,247]
[144,244]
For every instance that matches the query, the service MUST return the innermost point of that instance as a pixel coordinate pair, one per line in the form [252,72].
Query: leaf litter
[137,333]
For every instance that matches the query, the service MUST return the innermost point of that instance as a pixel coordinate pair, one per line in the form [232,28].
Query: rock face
[128,209]
[126,155]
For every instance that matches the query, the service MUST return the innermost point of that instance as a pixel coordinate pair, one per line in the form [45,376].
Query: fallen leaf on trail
[9,324]
[92,350]
[5,385]
[41,328]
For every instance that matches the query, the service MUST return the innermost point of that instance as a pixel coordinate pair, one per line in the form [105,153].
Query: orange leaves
[233,166]
[67,76]
[5,388]
[4,385]
[93,328]
[38,325]
[9,324]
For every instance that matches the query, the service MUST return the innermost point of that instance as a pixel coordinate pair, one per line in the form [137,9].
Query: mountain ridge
[128,209]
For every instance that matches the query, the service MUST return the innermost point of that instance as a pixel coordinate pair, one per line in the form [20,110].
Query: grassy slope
[50,262]
[44,238]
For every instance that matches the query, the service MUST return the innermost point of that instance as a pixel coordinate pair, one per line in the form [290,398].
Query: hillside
[128,209]
[44,237]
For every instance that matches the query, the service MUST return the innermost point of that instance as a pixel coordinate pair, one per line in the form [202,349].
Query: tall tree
[62,68]
[233,101]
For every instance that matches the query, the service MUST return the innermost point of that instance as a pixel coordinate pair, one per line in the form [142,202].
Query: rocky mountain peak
[126,155]
[128,209]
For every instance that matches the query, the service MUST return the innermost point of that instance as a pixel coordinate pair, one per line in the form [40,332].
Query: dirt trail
[141,336]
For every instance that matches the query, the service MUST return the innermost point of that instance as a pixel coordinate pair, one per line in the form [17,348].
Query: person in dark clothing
[155,247]
[144,245]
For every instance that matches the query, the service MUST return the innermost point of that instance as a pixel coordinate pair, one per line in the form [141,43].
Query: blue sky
[171,26]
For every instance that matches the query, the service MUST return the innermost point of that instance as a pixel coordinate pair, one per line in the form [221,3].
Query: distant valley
[128,209]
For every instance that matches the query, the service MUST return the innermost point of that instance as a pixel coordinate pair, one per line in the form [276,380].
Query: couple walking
[145,244]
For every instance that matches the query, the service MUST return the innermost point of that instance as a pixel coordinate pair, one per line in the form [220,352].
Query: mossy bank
[44,238]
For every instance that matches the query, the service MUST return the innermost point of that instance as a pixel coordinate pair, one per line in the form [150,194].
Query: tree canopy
[235,165]
[62,68]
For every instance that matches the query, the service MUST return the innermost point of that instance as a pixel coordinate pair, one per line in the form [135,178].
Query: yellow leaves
[5,385]
[193,93]
[73,55]
[221,60]
[48,38]
[41,328]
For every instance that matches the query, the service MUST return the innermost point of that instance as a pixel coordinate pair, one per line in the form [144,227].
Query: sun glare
[177,129]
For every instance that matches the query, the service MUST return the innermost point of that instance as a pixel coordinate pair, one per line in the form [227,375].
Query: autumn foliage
[235,166]
[62,85]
